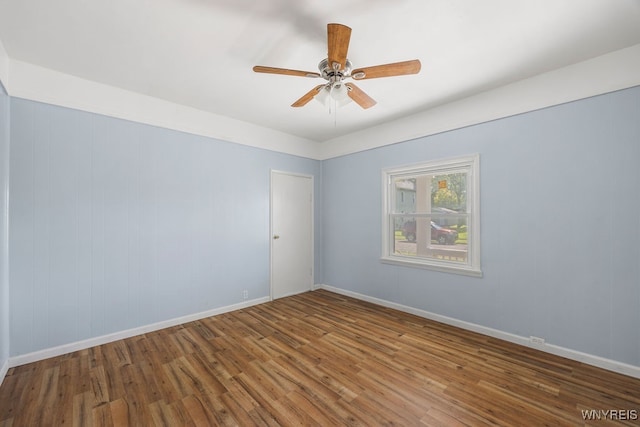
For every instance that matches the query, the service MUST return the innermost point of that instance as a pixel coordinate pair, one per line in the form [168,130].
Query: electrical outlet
[536,340]
[245,294]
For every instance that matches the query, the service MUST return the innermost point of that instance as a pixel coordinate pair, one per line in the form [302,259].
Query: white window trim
[470,269]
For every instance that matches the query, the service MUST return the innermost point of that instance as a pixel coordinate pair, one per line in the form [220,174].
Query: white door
[291,234]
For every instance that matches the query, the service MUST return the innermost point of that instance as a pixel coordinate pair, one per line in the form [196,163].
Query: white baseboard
[104,339]
[3,370]
[589,359]
[601,362]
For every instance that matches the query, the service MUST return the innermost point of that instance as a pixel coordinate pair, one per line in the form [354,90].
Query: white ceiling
[200,53]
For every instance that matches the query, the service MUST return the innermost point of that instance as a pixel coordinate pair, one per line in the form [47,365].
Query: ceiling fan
[336,68]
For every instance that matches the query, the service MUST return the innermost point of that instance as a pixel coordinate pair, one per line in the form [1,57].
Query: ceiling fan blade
[286,71]
[338,37]
[307,96]
[361,98]
[387,70]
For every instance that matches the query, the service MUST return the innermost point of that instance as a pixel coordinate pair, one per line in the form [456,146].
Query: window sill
[444,268]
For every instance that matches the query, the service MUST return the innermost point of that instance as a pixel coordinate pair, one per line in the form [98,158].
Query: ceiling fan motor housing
[333,75]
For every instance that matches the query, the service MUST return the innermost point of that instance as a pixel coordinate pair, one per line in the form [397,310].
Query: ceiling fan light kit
[336,68]
[338,93]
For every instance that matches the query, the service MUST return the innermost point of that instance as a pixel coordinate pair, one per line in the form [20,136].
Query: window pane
[449,193]
[404,195]
[422,237]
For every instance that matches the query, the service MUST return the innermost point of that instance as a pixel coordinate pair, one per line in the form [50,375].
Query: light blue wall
[4,212]
[560,206]
[115,224]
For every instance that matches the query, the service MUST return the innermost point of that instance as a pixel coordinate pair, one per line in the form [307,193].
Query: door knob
[276,237]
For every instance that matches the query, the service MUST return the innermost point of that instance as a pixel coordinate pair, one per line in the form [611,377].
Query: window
[432,215]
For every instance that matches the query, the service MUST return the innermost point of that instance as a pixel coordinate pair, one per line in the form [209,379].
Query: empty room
[234,212]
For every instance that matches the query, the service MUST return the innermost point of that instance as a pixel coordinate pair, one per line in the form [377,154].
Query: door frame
[271,231]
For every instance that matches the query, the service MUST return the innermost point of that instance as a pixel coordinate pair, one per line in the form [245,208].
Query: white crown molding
[4,67]
[600,362]
[40,84]
[607,73]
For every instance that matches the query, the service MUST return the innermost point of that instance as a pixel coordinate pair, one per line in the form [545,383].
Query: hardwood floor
[314,359]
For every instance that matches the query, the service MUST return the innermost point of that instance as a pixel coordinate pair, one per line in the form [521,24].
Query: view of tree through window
[438,229]
[430,213]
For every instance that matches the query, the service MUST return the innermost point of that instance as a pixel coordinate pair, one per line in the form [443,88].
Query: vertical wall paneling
[560,226]
[4,243]
[116,225]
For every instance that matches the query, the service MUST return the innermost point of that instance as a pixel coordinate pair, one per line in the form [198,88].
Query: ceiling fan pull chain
[330,98]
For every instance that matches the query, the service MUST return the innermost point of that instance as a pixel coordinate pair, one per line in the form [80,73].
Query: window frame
[471,164]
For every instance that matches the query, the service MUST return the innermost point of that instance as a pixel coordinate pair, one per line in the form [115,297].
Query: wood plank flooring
[314,359]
